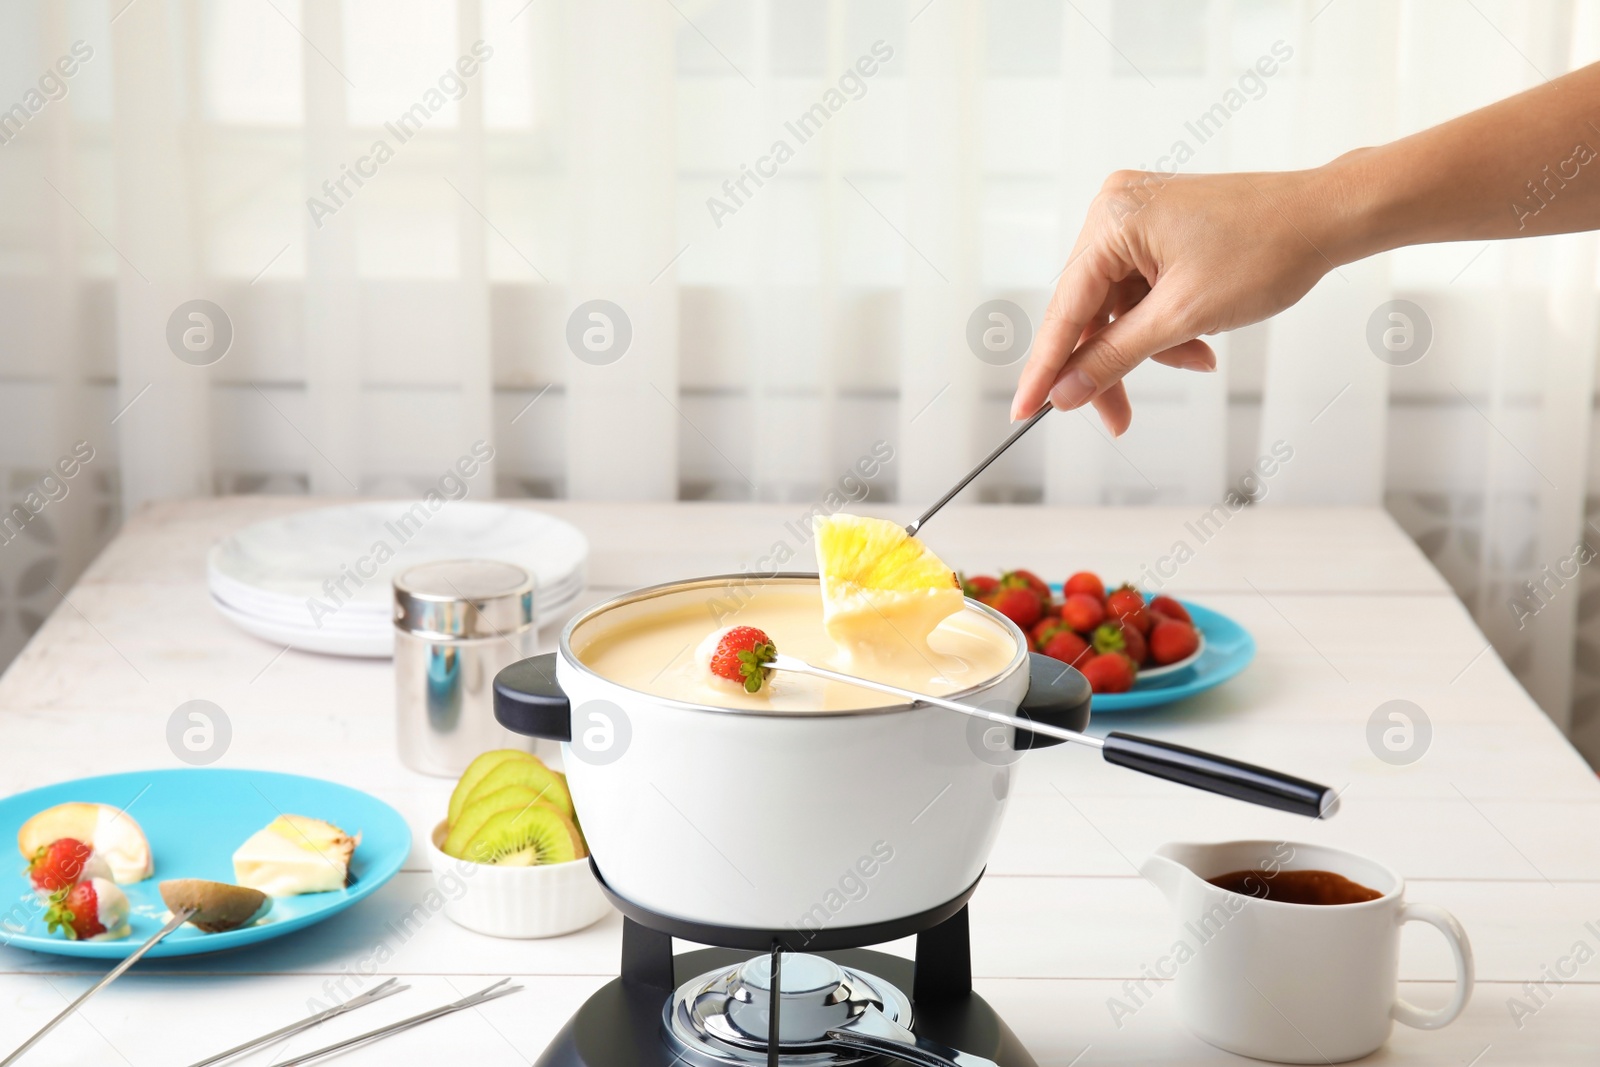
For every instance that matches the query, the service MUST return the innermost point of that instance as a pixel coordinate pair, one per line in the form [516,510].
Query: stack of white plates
[322,580]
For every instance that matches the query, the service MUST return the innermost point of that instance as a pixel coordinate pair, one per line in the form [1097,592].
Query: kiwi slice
[529,772]
[218,906]
[474,774]
[583,842]
[477,812]
[524,837]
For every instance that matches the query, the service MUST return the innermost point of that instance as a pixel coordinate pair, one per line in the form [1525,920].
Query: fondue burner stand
[831,1001]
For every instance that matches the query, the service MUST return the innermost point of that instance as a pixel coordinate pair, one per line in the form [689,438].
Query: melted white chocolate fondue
[666,653]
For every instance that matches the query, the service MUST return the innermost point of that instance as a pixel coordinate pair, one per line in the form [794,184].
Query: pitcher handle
[1460,947]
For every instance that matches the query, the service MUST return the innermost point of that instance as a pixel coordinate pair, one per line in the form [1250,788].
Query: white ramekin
[542,901]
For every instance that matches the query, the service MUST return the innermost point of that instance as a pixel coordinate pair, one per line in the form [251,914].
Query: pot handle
[527,699]
[1219,774]
[1057,696]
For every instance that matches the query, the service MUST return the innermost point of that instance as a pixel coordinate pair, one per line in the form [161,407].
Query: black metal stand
[774,1005]
[761,939]
[621,1024]
[647,957]
[944,962]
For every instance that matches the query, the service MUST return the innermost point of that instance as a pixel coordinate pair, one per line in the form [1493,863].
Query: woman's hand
[1162,260]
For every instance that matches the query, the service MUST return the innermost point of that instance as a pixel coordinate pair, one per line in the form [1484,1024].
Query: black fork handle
[1218,774]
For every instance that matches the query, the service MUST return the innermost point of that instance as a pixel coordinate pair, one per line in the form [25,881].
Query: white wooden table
[1499,821]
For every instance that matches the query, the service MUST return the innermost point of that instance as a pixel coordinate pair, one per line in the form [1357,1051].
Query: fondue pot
[830,825]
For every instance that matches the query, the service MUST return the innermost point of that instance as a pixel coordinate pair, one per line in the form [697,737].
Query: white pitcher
[1294,983]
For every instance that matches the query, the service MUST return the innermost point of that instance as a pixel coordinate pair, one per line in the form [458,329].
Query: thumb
[1153,325]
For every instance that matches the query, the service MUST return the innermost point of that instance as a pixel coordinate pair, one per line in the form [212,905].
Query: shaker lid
[463,599]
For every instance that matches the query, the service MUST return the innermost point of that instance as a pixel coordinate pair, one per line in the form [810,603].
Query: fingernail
[1200,365]
[1072,391]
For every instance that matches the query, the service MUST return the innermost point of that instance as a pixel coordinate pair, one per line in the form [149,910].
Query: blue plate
[195,818]
[1229,648]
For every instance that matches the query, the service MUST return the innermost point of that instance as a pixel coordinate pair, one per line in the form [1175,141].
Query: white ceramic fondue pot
[808,821]
[779,821]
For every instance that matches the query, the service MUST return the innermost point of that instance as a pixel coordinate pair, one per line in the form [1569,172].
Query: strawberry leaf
[753,665]
[60,917]
[1108,638]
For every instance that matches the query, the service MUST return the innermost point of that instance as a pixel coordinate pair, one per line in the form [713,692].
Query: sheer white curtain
[717,249]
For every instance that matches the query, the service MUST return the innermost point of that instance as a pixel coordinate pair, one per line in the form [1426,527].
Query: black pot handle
[1057,696]
[1218,774]
[527,699]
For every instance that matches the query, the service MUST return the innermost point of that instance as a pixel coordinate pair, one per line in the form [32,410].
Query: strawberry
[1019,604]
[1109,672]
[742,655]
[979,586]
[1020,579]
[1082,612]
[58,865]
[1127,604]
[1116,636]
[75,912]
[1043,630]
[1067,647]
[1165,605]
[1124,599]
[1087,583]
[1139,619]
[1172,641]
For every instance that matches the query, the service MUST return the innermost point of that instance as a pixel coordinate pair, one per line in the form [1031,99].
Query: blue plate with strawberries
[1226,649]
[194,819]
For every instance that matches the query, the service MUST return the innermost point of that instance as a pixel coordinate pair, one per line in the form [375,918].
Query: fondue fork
[471,1000]
[179,917]
[916,524]
[376,993]
[1176,763]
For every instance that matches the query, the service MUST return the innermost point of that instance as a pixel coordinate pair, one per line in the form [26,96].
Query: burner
[721,1017]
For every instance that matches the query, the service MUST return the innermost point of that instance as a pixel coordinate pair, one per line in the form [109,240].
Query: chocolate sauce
[1296,887]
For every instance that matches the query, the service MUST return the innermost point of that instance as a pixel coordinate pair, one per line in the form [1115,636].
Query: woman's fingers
[1104,319]
[1114,408]
[1151,326]
[1193,355]
[1082,291]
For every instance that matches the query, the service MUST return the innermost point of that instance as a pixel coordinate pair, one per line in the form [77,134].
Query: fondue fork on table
[1175,763]
[179,917]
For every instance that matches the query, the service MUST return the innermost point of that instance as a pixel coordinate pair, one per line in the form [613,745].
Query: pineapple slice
[883,592]
[295,854]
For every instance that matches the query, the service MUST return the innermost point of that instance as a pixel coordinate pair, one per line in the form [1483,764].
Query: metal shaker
[456,623]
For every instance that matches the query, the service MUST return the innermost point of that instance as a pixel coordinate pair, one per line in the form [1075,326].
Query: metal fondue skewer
[1176,763]
[782,662]
[179,917]
[916,524]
